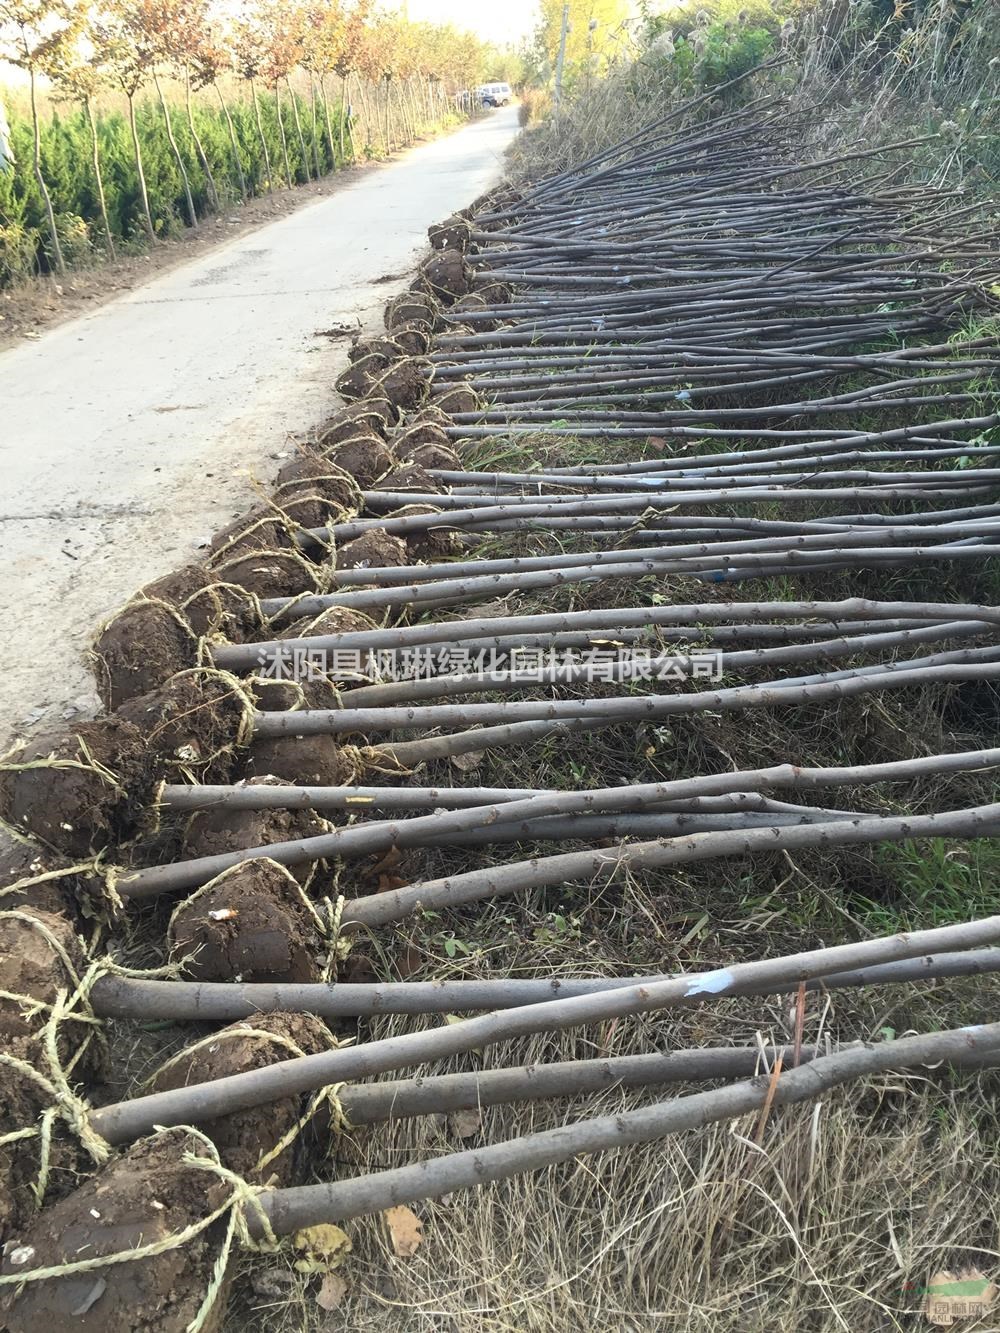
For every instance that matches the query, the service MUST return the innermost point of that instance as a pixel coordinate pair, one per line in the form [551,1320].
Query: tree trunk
[298,128]
[98,177]
[343,115]
[366,109]
[57,253]
[387,124]
[329,124]
[188,200]
[147,217]
[281,132]
[317,155]
[263,141]
[237,160]
[213,193]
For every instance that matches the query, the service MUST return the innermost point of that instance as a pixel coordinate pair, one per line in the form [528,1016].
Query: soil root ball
[251,923]
[21,1160]
[309,474]
[432,543]
[33,877]
[271,573]
[451,234]
[434,455]
[496,293]
[145,644]
[334,620]
[474,302]
[258,529]
[209,607]
[306,761]
[365,457]
[195,721]
[405,383]
[413,307]
[246,1138]
[77,790]
[303,689]
[213,832]
[416,433]
[459,399]
[361,376]
[410,477]
[40,955]
[374,345]
[430,413]
[372,550]
[413,339]
[145,1195]
[446,275]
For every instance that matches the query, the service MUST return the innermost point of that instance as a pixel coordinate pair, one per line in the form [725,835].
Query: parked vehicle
[496,94]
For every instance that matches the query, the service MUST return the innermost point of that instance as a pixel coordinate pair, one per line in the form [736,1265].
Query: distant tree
[322,49]
[584,43]
[32,34]
[117,49]
[210,59]
[159,30]
[250,56]
[82,79]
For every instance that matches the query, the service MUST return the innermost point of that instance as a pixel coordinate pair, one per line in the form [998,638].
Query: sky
[496,20]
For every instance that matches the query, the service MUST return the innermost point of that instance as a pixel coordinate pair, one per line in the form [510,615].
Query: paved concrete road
[128,436]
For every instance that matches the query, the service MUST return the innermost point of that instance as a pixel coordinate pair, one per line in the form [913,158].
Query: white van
[495,94]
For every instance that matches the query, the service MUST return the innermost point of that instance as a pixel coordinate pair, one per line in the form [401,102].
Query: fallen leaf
[406,1231]
[323,1248]
[465,763]
[966,1294]
[384,864]
[464,1124]
[410,961]
[331,1293]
